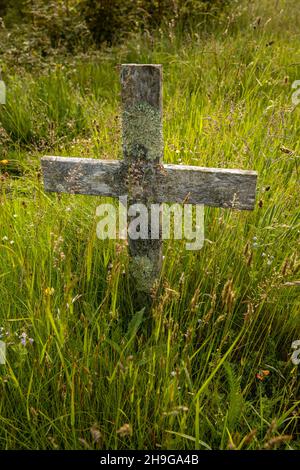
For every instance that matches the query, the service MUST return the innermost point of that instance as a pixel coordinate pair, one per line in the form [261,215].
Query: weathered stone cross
[142,176]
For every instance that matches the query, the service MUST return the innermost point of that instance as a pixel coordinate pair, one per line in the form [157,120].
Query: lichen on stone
[142,132]
[141,269]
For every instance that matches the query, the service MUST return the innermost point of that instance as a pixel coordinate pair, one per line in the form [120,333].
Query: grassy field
[82,370]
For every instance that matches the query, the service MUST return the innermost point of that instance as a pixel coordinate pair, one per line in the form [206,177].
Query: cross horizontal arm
[81,176]
[209,186]
[174,183]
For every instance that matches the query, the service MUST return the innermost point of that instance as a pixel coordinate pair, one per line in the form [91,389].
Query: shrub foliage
[107,21]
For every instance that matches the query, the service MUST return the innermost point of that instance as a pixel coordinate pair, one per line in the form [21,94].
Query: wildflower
[5,238]
[3,162]
[49,291]
[182,408]
[11,242]
[262,374]
[23,337]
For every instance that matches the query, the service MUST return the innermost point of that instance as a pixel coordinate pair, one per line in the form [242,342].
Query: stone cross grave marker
[142,176]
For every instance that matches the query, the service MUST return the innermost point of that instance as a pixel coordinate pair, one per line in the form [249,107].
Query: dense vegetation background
[82,369]
[105,20]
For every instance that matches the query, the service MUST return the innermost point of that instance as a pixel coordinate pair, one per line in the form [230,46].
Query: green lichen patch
[142,132]
[142,270]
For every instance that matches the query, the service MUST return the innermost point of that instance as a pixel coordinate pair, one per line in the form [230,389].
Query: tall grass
[94,377]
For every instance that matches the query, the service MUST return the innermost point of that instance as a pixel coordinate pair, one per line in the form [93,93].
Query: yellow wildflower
[49,291]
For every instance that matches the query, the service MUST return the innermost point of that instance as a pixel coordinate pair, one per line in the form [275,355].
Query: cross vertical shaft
[143,153]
